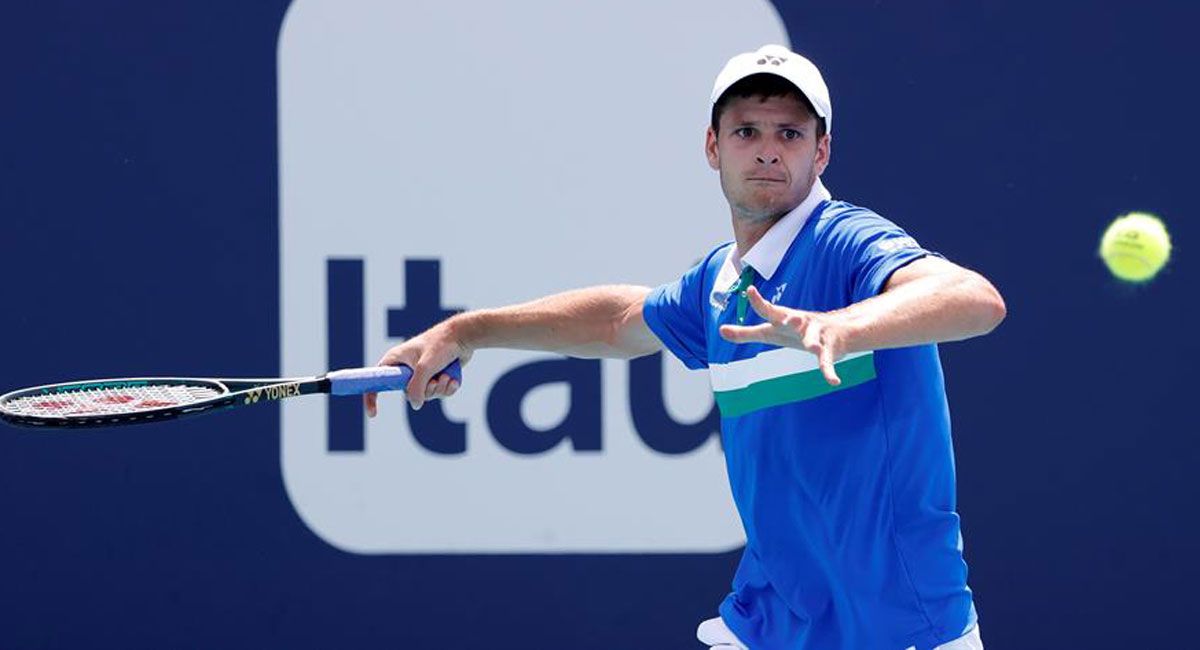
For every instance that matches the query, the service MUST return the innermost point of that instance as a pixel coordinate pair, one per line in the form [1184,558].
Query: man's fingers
[396,357]
[742,333]
[813,343]
[827,369]
[769,312]
[441,385]
[417,385]
[796,322]
[438,387]
[427,373]
[812,338]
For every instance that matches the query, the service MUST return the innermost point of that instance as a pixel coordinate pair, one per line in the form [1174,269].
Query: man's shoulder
[839,220]
[705,270]
[841,214]
[715,257]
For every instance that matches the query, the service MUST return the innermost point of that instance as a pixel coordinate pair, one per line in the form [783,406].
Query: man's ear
[710,149]
[823,153]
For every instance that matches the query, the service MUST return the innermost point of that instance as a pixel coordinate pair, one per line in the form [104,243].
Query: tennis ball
[1136,246]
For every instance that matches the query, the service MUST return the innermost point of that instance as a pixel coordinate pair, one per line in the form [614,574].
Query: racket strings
[110,400]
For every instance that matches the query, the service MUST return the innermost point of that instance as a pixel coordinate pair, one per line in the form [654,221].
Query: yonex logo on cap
[777,60]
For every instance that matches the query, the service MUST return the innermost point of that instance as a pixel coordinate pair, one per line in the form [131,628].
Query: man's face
[768,155]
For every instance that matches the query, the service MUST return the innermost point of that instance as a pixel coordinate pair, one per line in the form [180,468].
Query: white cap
[778,60]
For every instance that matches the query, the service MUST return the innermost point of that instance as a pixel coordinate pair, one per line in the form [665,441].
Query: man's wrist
[852,329]
[464,329]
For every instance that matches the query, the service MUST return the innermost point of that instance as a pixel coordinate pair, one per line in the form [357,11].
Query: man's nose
[767,157]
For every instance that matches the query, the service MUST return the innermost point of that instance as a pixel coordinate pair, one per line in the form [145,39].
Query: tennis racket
[110,402]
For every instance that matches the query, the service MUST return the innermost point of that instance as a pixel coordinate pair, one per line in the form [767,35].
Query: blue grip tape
[377,379]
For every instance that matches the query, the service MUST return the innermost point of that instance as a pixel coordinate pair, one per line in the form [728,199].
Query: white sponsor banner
[522,148]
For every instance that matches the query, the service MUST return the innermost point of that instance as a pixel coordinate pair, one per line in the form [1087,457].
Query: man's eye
[744,132]
[792,134]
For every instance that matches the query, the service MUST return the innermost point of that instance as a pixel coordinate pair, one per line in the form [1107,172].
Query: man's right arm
[595,322]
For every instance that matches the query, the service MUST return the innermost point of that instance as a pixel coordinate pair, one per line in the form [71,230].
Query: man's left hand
[820,333]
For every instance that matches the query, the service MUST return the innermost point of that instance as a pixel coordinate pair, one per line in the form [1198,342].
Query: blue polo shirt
[846,494]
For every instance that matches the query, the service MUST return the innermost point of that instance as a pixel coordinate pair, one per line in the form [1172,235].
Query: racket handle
[376,379]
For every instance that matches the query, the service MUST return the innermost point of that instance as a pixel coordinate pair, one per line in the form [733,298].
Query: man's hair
[763,85]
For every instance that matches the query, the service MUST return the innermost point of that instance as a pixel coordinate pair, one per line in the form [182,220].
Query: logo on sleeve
[896,243]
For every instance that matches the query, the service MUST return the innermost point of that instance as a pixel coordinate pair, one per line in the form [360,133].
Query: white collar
[765,255]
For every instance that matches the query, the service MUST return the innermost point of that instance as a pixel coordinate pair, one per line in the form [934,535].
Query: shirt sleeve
[874,248]
[675,313]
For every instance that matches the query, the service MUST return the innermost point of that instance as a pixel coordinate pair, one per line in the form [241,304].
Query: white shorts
[717,636]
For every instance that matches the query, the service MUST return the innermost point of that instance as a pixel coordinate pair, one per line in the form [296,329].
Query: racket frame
[234,393]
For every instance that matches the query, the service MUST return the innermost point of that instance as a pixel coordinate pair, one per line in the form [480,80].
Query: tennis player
[818,325]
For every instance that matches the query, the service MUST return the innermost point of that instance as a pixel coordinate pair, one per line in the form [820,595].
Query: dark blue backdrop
[140,136]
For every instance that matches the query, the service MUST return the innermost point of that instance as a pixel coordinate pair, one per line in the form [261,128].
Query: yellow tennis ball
[1136,246]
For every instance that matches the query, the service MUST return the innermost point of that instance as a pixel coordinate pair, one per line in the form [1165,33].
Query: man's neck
[747,231]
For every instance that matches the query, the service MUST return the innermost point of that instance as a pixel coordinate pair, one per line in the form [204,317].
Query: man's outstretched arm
[929,300]
[596,322]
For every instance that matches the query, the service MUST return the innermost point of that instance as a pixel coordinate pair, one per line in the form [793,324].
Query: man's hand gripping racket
[425,354]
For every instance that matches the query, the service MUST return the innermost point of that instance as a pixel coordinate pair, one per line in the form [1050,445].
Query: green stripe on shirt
[795,387]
